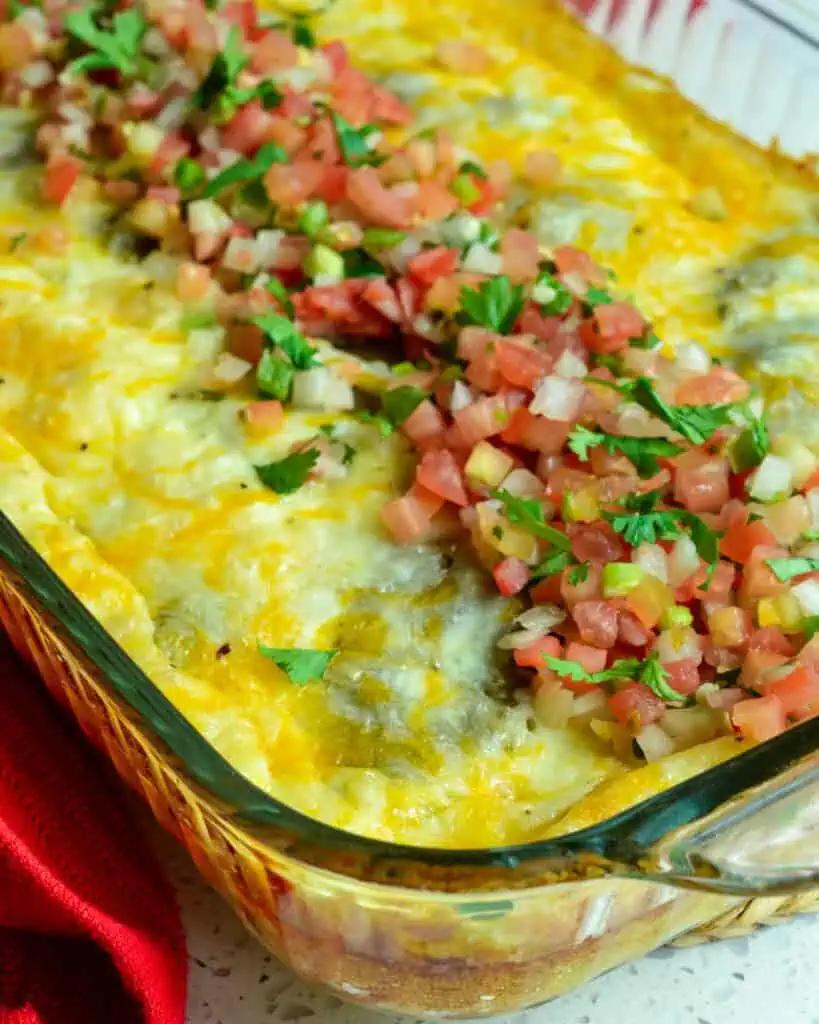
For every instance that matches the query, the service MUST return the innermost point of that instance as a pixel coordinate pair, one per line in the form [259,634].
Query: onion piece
[543,617]
[230,369]
[557,398]
[772,478]
[570,365]
[683,561]
[319,388]
[652,559]
[554,708]
[807,594]
[654,742]
[482,260]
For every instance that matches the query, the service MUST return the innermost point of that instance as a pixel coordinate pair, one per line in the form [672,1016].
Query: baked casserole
[427,413]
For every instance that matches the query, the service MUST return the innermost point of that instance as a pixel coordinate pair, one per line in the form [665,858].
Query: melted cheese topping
[143,497]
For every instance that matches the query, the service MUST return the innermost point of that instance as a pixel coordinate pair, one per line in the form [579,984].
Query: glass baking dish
[465,933]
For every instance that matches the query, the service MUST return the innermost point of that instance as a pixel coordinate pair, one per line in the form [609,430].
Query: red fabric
[89,929]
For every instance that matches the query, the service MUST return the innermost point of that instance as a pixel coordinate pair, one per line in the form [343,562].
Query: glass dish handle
[763,842]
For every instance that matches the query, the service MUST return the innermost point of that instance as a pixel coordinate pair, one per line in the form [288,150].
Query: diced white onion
[424,327]
[654,742]
[75,134]
[554,708]
[589,702]
[523,484]
[652,559]
[692,357]
[683,561]
[807,594]
[518,639]
[172,114]
[35,23]
[299,78]
[460,229]
[809,550]
[576,283]
[205,216]
[37,74]
[401,254]
[557,398]
[677,644]
[570,365]
[267,246]
[812,497]
[482,260]
[155,44]
[543,292]
[209,139]
[542,618]
[242,255]
[798,456]
[229,368]
[461,397]
[771,479]
[691,725]
[76,115]
[320,388]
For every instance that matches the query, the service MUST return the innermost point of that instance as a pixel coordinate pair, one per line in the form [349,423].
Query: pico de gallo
[664,548]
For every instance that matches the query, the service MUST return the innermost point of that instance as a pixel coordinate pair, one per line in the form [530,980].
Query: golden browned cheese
[142,494]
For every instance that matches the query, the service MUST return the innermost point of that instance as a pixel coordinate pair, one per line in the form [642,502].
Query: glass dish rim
[623,838]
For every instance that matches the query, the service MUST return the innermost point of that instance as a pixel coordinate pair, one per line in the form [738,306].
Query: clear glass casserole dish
[444,933]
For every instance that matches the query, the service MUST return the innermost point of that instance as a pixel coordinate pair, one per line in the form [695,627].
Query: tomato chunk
[759,718]
[636,705]
[798,693]
[439,472]
[511,576]
[533,655]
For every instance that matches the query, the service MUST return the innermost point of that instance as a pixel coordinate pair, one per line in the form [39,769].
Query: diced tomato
[172,148]
[630,630]
[431,264]
[713,388]
[544,328]
[566,478]
[291,184]
[424,424]
[742,537]
[61,174]
[811,483]
[484,418]
[536,432]
[383,297]
[758,579]
[586,589]
[636,706]
[683,676]
[264,417]
[596,542]
[547,591]
[439,472]
[771,638]
[246,341]
[248,129]
[520,255]
[386,106]
[759,718]
[489,193]
[433,201]
[619,321]
[374,202]
[520,363]
[597,622]
[532,656]
[701,481]
[721,586]
[729,627]
[406,518]
[275,51]
[570,260]
[242,13]
[511,576]
[798,693]
[593,659]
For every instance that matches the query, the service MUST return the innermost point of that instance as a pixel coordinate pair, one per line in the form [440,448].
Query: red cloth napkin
[89,928]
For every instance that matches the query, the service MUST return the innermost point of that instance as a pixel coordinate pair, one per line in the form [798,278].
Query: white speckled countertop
[769,978]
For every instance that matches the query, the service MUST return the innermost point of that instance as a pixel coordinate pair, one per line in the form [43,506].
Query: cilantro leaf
[787,568]
[278,290]
[597,297]
[706,541]
[374,419]
[495,304]
[751,446]
[265,91]
[274,376]
[623,668]
[288,474]
[641,451]
[359,263]
[553,297]
[282,333]
[554,562]
[302,33]
[398,404]
[118,49]
[648,340]
[223,72]
[354,142]
[810,626]
[655,677]
[244,170]
[644,528]
[579,574]
[696,423]
[301,664]
[528,514]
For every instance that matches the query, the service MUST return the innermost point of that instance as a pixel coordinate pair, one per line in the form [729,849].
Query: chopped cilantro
[398,404]
[302,33]
[810,626]
[655,677]
[265,91]
[223,72]
[696,423]
[645,528]
[495,304]
[554,562]
[597,297]
[313,218]
[578,574]
[282,333]
[359,263]
[189,175]
[623,668]
[807,535]
[288,474]
[117,48]
[274,376]
[277,289]
[354,142]
[559,298]
[648,340]
[528,514]
[786,569]
[244,170]
[374,419]
[641,451]
[301,664]
[470,167]
[17,240]
[751,446]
